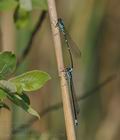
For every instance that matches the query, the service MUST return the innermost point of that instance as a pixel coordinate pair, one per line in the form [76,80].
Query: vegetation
[27,55]
[15,88]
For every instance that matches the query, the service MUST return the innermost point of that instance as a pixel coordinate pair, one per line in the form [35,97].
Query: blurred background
[94,26]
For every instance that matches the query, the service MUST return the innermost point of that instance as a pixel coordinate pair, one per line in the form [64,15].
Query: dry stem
[64,86]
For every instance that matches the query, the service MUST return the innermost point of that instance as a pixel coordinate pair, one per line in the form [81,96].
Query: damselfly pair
[69,68]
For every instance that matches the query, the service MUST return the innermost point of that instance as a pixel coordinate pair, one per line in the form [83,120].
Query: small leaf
[3,105]
[16,99]
[40,4]
[7,5]
[30,81]
[8,86]
[24,105]
[7,64]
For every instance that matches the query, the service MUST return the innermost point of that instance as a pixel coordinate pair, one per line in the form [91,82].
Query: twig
[34,32]
[34,119]
[93,91]
[59,105]
[69,122]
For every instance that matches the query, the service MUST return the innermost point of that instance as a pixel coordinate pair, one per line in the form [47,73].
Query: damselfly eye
[60,20]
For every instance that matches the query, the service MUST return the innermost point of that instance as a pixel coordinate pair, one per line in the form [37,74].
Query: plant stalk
[69,122]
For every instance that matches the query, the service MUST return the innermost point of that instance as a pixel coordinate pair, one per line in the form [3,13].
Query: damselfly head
[68,69]
[60,20]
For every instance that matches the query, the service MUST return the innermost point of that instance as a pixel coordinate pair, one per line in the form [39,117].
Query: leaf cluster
[15,88]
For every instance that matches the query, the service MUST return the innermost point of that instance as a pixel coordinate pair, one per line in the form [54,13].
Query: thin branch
[34,119]
[34,32]
[59,105]
[93,91]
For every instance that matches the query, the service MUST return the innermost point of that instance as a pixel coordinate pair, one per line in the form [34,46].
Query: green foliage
[26,5]
[8,86]
[30,81]
[40,4]
[2,94]
[21,18]
[23,9]
[7,64]
[14,88]
[7,5]
[25,98]
[33,4]
[21,102]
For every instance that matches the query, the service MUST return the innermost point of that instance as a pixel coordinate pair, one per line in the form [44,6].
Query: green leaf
[2,94]
[7,64]
[7,5]
[19,101]
[3,105]
[25,98]
[30,81]
[8,86]
[40,4]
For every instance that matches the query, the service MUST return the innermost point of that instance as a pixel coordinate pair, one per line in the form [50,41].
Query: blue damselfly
[69,42]
[69,68]
[75,107]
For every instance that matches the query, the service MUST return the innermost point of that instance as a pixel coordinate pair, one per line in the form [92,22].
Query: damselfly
[69,68]
[69,42]
[75,107]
